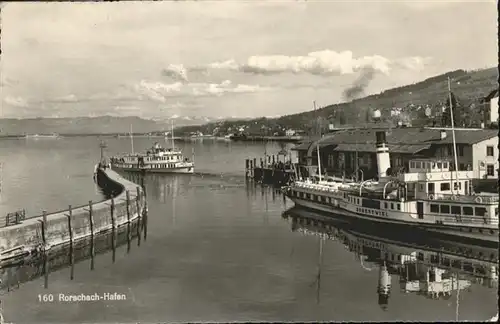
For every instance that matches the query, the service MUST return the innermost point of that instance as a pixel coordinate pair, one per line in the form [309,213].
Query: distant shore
[185,138]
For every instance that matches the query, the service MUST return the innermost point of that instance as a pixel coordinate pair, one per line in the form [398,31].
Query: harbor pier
[25,238]
[269,170]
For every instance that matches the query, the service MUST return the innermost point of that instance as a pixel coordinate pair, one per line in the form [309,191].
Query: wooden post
[127,195]
[44,228]
[247,164]
[254,162]
[138,210]
[71,246]
[113,229]
[92,240]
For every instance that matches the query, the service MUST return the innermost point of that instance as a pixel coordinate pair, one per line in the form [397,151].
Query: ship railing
[462,219]
[316,187]
[479,199]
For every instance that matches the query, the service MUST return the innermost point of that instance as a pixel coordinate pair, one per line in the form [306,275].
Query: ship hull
[485,236]
[180,170]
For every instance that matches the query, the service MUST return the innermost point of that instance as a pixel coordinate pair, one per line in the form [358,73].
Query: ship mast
[317,143]
[172,132]
[131,139]
[453,137]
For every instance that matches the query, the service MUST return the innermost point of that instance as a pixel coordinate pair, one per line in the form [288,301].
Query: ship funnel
[383,157]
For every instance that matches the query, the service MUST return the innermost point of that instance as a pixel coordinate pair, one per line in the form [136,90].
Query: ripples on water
[218,249]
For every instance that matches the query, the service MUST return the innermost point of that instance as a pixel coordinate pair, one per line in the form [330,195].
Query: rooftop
[402,140]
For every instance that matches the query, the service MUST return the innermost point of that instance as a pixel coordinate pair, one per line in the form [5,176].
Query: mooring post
[138,210]
[246,167]
[92,239]
[71,244]
[44,227]
[113,228]
[254,162]
[127,195]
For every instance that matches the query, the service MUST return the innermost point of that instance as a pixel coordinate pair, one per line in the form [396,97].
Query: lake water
[218,249]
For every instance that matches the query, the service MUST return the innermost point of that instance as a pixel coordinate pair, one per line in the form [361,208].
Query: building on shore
[490,107]
[345,151]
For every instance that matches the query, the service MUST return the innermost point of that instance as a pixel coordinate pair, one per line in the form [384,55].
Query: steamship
[430,196]
[155,160]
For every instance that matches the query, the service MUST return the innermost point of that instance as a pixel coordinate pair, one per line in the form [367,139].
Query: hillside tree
[457,112]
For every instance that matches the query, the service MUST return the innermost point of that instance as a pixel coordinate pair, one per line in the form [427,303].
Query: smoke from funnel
[358,87]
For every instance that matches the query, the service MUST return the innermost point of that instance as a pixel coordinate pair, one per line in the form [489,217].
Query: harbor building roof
[402,140]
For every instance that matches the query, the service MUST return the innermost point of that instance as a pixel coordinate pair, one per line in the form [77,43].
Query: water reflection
[430,267]
[43,264]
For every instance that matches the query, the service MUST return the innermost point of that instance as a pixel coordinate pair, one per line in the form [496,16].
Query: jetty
[271,169]
[22,238]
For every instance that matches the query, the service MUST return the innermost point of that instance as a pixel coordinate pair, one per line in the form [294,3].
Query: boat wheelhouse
[155,160]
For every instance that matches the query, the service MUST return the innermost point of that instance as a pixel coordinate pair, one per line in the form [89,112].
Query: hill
[469,87]
[91,125]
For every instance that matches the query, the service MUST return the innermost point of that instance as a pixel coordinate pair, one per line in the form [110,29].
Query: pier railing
[13,218]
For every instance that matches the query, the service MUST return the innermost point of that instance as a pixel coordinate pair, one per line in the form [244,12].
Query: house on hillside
[476,150]
[490,107]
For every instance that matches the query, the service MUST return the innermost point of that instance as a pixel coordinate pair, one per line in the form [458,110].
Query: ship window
[445,209]
[496,212]
[445,165]
[439,165]
[468,210]
[313,197]
[445,186]
[417,165]
[456,210]
[392,206]
[480,211]
[399,206]
[412,165]
[386,205]
[434,208]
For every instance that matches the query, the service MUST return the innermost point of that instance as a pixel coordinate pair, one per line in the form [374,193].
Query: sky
[227,58]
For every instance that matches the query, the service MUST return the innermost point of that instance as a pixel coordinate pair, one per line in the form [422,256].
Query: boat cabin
[434,178]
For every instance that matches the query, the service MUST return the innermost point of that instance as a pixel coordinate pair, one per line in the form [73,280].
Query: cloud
[160,92]
[68,98]
[325,62]
[415,63]
[177,72]
[16,102]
